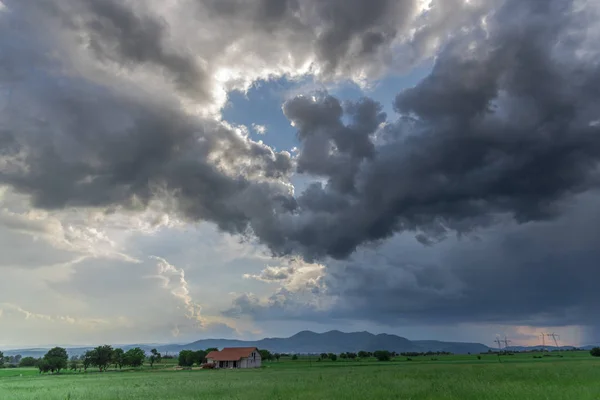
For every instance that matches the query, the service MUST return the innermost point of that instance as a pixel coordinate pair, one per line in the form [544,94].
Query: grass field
[574,376]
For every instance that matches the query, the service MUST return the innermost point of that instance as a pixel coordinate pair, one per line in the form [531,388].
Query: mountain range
[306,342]
[338,342]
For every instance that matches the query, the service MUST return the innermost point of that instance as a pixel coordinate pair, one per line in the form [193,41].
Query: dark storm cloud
[500,126]
[322,132]
[537,274]
[343,33]
[118,33]
[77,142]
[373,24]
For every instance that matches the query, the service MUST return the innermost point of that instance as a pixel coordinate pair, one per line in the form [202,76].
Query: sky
[187,169]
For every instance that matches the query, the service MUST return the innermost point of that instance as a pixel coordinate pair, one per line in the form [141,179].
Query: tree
[43,365]
[351,356]
[135,357]
[295,357]
[343,356]
[186,358]
[73,365]
[16,359]
[595,352]
[199,357]
[87,359]
[363,354]
[1,359]
[332,356]
[265,355]
[118,358]
[277,356]
[383,355]
[154,357]
[211,349]
[323,356]
[57,359]
[28,362]
[102,356]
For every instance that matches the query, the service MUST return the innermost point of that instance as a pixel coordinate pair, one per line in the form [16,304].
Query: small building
[235,357]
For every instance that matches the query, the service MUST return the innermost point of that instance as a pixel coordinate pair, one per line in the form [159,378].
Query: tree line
[101,357]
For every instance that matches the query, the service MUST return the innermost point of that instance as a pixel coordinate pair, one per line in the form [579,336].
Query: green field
[573,376]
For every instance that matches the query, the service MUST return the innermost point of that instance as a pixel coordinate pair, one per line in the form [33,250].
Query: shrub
[479,357]
[382,355]
[595,352]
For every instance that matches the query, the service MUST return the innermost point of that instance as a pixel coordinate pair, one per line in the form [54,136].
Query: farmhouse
[235,357]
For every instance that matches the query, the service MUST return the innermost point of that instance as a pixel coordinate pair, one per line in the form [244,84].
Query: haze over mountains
[311,342]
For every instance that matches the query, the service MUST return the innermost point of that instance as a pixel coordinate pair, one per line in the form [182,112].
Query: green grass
[575,376]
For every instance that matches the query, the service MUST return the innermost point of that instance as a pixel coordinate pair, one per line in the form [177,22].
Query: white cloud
[174,281]
[259,129]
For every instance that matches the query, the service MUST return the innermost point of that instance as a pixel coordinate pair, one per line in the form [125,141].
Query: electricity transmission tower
[543,342]
[499,341]
[554,336]
[506,342]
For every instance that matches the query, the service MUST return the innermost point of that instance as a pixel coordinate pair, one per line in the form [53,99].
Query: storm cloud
[502,125]
[490,163]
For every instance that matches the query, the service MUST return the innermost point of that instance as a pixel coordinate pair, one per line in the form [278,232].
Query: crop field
[572,376]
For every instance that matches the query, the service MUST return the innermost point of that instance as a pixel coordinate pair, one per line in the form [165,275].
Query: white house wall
[254,361]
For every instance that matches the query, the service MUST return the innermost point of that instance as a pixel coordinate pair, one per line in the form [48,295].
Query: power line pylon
[499,343]
[554,336]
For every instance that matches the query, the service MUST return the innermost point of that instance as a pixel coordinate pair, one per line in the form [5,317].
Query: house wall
[254,361]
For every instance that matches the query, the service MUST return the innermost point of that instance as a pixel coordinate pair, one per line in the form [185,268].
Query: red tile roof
[231,353]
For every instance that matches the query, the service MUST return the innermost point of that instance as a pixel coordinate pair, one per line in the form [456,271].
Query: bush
[479,357]
[595,352]
[186,358]
[27,362]
[382,355]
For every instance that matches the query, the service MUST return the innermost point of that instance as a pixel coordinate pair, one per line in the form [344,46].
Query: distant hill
[336,342]
[311,342]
